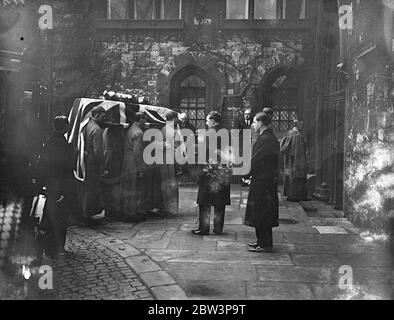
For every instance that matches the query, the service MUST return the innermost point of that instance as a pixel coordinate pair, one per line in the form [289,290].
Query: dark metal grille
[192,101]
[285,105]
[195,110]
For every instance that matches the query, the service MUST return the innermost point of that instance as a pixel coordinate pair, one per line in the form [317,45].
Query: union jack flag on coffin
[117,113]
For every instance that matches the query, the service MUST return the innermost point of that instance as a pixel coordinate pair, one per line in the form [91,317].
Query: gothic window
[282,96]
[144,9]
[237,9]
[192,100]
[279,9]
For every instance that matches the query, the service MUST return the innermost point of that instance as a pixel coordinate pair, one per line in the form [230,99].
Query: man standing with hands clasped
[262,207]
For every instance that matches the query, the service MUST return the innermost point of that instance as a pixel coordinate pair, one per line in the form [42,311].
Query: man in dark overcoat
[262,208]
[214,190]
[57,177]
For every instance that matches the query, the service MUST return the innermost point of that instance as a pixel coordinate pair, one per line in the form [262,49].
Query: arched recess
[280,90]
[193,90]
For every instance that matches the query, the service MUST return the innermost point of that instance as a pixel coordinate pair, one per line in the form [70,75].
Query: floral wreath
[136,96]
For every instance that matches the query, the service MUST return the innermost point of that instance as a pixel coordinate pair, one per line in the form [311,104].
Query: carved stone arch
[286,106]
[210,78]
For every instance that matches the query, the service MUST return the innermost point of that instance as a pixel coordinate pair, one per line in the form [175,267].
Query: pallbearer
[132,173]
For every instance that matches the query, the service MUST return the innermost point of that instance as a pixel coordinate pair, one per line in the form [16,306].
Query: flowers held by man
[218,171]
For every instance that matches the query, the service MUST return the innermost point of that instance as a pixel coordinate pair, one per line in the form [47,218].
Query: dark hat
[60,123]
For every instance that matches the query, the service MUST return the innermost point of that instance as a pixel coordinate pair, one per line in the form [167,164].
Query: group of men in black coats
[262,206]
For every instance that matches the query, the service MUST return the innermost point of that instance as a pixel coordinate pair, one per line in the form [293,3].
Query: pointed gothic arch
[192,90]
[280,91]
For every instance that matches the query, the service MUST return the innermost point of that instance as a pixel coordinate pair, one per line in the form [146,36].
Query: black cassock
[262,209]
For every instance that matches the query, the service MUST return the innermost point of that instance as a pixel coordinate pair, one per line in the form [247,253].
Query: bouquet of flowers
[217,174]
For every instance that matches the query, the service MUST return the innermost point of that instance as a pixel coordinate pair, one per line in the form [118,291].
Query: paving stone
[278,291]
[315,248]
[362,248]
[293,237]
[239,258]
[172,292]
[296,228]
[192,244]
[210,271]
[297,274]
[327,260]
[361,292]
[157,278]
[330,229]
[149,235]
[337,239]
[142,264]
[370,275]
[139,244]
[214,289]
[366,259]
[159,226]
[231,246]
[223,236]
[163,255]
[180,235]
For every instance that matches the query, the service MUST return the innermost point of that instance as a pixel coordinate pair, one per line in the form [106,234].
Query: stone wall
[148,63]
[369,163]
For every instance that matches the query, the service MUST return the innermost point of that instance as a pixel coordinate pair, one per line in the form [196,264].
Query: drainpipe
[318,94]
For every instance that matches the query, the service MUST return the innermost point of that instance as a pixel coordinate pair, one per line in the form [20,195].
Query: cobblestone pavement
[90,271]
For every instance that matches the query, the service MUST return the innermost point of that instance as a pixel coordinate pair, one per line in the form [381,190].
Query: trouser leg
[264,237]
[204,215]
[218,221]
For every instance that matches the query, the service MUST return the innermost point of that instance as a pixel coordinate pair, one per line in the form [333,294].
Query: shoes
[253,244]
[260,249]
[200,232]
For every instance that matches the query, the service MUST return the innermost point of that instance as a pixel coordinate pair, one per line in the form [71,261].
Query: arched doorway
[281,93]
[192,91]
